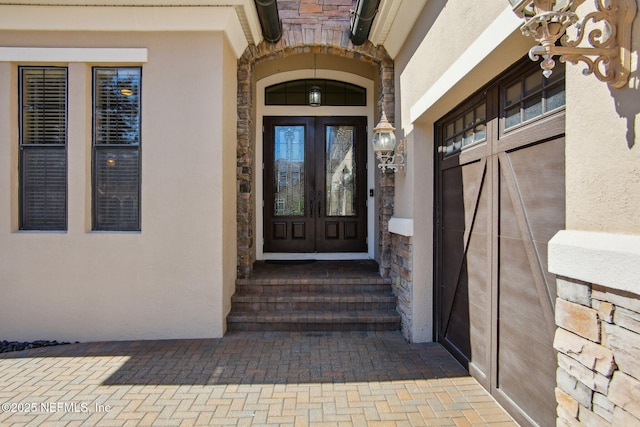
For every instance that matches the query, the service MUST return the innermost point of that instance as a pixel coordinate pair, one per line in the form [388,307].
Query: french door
[315,184]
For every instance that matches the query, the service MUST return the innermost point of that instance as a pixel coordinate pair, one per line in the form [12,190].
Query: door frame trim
[305,111]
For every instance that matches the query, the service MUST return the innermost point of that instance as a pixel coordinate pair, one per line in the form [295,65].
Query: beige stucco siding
[171,279]
[603,151]
[228,160]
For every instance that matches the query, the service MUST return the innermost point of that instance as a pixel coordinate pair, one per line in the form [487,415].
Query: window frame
[558,79]
[460,113]
[328,87]
[26,147]
[96,148]
[498,138]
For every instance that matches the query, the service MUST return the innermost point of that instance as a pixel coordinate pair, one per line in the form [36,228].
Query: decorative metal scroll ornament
[601,39]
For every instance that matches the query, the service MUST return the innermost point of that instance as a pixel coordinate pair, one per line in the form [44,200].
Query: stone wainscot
[597,339]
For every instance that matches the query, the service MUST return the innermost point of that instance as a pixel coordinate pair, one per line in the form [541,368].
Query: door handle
[311,204]
[319,204]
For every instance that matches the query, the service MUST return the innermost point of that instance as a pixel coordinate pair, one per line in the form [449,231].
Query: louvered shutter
[43,153]
[116,146]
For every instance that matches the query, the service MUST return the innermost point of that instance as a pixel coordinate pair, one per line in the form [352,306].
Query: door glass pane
[555,98]
[468,119]
[468,137]
[289,171]
[512,95]
[512,116]
[340,172]
[532,84]
[450,131]
[533,107]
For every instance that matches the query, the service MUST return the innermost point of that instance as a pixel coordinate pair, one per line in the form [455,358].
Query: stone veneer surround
[598,342]
[401,273]
[246,139]
[598,320]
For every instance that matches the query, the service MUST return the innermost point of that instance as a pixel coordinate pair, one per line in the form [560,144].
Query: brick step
[313,302]
[321,296]
[329,286]
[379,320]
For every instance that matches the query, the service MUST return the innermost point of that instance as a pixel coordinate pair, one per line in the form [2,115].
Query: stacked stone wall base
[598,343]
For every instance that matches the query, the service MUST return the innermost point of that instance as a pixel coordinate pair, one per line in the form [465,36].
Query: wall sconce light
[384,144]
[315,94]
[601,39]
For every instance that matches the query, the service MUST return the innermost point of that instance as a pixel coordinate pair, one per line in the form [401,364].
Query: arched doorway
[272,64]
[303,208]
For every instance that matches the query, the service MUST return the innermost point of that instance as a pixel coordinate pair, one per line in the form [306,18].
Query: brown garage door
[500,198]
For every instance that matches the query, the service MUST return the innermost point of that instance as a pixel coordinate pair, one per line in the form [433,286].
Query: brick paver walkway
[363,379]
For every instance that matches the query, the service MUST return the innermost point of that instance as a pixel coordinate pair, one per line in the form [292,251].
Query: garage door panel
[550,278]
[479,288]
[518,288]
[460,194]
[452,200]
[456,331]
[454,274]
[524,337]
[473,182]
[497,214]
[512,206]
[538,170]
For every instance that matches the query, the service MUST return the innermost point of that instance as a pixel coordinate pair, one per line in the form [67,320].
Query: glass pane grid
[537,96]
[466,129]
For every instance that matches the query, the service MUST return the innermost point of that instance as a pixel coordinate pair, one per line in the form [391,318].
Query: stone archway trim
[246,140]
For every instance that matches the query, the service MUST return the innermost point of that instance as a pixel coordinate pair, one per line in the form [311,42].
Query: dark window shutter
[43,154]
[116,149]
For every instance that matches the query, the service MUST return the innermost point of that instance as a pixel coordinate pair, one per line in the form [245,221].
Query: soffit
[394,22]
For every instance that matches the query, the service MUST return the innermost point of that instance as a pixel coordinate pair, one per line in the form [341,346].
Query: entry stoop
[319,296]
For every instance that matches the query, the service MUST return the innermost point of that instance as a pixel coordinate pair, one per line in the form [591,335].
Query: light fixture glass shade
[315,96]
[384,138]
[383,141]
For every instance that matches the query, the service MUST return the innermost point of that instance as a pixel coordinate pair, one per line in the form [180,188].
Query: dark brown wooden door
[500,199]
[315,184]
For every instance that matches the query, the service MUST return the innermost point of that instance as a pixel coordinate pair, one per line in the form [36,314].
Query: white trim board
[496,33]
[401,226]
[606,259]
[53,54]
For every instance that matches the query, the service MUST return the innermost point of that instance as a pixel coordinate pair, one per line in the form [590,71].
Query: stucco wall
[603,150]
[166,281]
[228,163]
